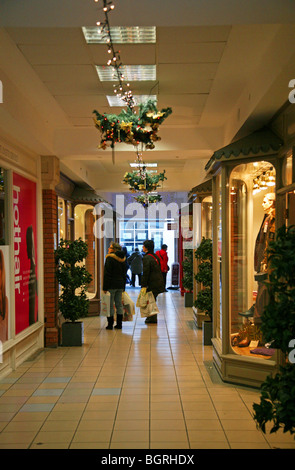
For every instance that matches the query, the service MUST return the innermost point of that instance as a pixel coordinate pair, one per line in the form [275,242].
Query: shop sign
[25,253]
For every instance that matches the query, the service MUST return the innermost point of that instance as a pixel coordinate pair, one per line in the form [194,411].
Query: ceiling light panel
[148,165]
[132,73]
[138,99]
[121,34]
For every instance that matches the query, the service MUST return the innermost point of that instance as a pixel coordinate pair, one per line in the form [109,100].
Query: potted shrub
[187,280]
[73,278]
[204,300]
[277,401]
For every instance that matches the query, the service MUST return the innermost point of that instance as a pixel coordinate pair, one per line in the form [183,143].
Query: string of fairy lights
[123,92]
[121,88]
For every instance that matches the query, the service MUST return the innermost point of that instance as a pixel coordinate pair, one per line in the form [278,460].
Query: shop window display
[84,222]
[288,169]
[252,227]
[206,209]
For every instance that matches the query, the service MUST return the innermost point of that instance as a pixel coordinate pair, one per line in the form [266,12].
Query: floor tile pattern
[143,387]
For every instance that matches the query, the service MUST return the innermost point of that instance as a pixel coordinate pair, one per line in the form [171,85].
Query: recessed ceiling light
[121,34]
[138,99]
[132,73]
[150,165]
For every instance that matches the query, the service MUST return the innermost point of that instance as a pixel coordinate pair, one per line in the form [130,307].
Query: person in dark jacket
[114,280]
[152,278]
[125,251]
[135,263]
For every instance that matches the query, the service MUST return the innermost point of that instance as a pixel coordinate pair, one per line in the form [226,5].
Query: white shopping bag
[142,298]
[105,304]
[127,302]
[151,307]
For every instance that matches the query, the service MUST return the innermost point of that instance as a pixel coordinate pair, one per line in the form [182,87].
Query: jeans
[116,298]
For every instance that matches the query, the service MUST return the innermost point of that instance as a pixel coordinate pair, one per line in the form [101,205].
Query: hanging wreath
[145,199]
[131,128]
[143,181]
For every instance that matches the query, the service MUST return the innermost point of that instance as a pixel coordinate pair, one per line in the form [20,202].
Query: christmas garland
[145,200]
[143,181]
[131,128]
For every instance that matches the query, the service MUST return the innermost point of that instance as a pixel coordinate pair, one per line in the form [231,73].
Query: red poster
[25,252]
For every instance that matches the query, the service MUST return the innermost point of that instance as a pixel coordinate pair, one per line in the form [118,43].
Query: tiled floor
[144,387]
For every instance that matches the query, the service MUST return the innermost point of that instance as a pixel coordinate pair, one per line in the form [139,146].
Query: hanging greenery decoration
[128,126]
[146,199]
[131,128]
[143,181]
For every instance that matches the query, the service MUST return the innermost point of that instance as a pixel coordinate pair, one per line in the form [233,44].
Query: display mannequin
[265,235]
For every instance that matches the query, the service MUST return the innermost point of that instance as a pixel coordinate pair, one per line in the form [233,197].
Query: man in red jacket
[162,254]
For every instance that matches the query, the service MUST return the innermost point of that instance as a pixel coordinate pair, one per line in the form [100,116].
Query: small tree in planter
[204,300]
[72,277]
[187,280]
[277,401]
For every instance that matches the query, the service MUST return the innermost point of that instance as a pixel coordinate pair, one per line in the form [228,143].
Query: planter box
[72,333]
[188,299]
[199,317]
[207,333]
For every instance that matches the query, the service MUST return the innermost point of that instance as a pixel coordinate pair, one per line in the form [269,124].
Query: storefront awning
[262,141]
[83,195]
[200,189]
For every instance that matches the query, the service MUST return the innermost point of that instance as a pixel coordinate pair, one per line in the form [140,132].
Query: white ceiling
[222,67]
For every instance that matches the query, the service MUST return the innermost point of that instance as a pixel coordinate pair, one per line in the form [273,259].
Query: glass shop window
[206,211]
[288,169]
[290,203]
[70,221]
[61,219]
[252,227]
[219,257]
[84,222]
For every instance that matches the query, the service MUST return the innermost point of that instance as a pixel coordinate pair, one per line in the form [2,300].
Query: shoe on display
[248,313]
[244,343]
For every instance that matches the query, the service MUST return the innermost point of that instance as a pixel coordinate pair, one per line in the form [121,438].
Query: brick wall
[50,282]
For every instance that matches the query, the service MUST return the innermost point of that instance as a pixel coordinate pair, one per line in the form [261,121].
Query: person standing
[114,280]
[125,251]
[152,279]
[135,263]
[162,254]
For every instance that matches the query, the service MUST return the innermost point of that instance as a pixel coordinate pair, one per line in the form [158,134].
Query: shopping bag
[142,298]
[105,304]
[151,304]
[127,314]
[151,307]
[126,300]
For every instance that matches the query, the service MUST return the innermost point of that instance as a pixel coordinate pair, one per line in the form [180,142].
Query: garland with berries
[143,181]
[146,199]
[131,128]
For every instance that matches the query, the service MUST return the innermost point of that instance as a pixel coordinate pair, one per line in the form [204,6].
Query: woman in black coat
[152,278]
[114,280]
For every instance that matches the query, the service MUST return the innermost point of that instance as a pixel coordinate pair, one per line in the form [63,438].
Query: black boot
[119,322]
[152,319]
[110,323]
